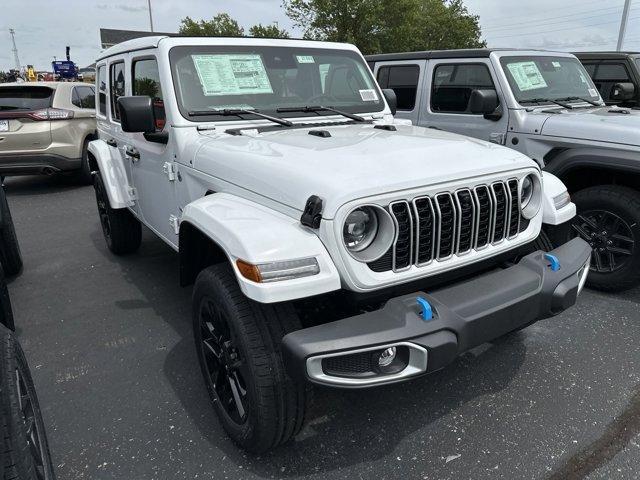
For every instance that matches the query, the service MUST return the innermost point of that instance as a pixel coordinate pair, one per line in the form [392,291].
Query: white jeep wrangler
[326,243]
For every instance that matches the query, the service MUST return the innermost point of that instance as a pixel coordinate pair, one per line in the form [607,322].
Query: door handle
[133,153]
[112,142]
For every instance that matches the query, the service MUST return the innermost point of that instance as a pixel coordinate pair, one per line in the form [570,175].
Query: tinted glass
[264,78]
[611,72]
[548,78]
[638,62]
[117,84]
[146,81]
[403,79]
[453,84]
[590,68]
[25,98]
[84,97]
[101,83]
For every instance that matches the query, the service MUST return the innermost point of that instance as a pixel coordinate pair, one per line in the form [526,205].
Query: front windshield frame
[540,92]
[178,53]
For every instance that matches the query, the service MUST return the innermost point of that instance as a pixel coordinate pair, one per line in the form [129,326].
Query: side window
[607,75]
[590,68]
[146,81]
[116,82]
[403,79]
[84,97]
[101,85]
[452,86]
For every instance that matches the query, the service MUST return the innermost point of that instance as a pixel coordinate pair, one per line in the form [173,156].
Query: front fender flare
[114,175]
[607,159]
[256,234]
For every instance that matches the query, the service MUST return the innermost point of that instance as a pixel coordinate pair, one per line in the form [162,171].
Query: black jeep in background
[616,75]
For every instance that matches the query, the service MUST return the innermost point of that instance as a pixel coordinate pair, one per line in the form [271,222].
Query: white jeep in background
[545,105]
[326,243]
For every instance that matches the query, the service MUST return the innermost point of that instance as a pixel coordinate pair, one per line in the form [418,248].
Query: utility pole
[623,24]
[15,49]
[150,16]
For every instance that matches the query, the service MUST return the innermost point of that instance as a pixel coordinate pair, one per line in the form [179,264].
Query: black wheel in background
[122,231]
[27,455]
[83,175]
[608,219]
[10,255]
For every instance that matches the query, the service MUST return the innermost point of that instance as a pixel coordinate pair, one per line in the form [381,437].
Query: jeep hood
[355,161]
[599,124]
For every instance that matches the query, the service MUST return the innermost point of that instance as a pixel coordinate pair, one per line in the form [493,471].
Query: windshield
[548,78]
[215,78]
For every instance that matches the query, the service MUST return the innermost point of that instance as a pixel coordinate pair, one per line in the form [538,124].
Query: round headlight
[526,192]
[360,228]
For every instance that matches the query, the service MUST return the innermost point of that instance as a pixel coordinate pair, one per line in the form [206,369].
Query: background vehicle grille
[449,224]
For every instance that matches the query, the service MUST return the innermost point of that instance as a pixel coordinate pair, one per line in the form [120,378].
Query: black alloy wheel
[103,205]
[32,430]
[610,237]
[226,370]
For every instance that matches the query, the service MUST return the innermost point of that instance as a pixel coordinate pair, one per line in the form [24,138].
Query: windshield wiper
[548,100]
[320,108]
[238,112]
[582,99]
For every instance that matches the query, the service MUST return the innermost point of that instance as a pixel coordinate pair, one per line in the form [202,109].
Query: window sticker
[305,59]
[593,92]
[231,74]
[527,76]
[369,95]
[556,64]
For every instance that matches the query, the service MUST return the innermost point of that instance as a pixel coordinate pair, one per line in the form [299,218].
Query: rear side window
[25,98]
[84,97]
[101,84]
[453,84]
[606,75]
[146,81]
[117,83]
[403,79]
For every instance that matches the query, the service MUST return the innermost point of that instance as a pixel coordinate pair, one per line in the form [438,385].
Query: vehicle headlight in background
[360,228]
[368,232]
[530,196]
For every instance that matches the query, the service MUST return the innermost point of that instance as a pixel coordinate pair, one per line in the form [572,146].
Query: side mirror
[621,92]
[391,98]
[136,114]
[483,101]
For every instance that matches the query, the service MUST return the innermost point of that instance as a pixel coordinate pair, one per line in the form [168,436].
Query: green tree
[268,31]
[222,25]
[380,26]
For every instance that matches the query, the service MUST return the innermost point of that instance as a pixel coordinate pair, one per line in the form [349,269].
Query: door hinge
[497,138]
[170,170]
[175,224]
[133,194]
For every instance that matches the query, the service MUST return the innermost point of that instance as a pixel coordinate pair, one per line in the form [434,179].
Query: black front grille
[448,224]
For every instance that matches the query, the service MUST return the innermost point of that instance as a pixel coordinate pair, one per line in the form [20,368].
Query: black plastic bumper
[465,315]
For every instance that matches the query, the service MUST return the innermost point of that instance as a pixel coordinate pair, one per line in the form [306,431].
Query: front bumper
[465,315]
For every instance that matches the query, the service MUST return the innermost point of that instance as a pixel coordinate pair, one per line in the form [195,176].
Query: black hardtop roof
[610,55]
[429,54]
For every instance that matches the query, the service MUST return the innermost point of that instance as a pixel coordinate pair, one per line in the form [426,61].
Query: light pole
[623,24]
[150,16]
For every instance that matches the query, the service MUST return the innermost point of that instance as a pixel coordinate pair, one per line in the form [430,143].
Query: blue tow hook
[426,313]
[555,263]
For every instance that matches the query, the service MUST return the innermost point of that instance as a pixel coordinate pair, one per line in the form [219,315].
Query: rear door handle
[133,153]
[112,142]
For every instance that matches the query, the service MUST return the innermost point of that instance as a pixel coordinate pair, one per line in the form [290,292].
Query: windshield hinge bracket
[175,224]
[312,214]
[498,138]
[170,170]
[133,194]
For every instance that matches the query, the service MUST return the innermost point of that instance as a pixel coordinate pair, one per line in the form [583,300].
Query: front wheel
[238,343]
[122,231]
[608,219]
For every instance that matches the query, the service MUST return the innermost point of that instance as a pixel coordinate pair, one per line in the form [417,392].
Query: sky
[44,27]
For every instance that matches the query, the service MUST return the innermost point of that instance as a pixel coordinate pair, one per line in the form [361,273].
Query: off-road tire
[10,255]
[122,231]
[19,437]
[276,403]
[625,203]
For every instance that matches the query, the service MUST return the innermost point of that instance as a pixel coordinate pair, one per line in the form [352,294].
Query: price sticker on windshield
[305,59]
[527,76]
[231,74]
[369,95]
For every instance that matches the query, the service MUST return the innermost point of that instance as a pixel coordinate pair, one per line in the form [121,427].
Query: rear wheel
[122,231]
[238,344]
[26,448]
[609,220]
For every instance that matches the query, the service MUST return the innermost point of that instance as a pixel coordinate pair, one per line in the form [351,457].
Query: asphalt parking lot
[109,342]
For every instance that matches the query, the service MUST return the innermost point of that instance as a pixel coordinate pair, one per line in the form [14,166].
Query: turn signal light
[278,271]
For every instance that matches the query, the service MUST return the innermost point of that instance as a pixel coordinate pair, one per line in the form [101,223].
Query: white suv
[327,244]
